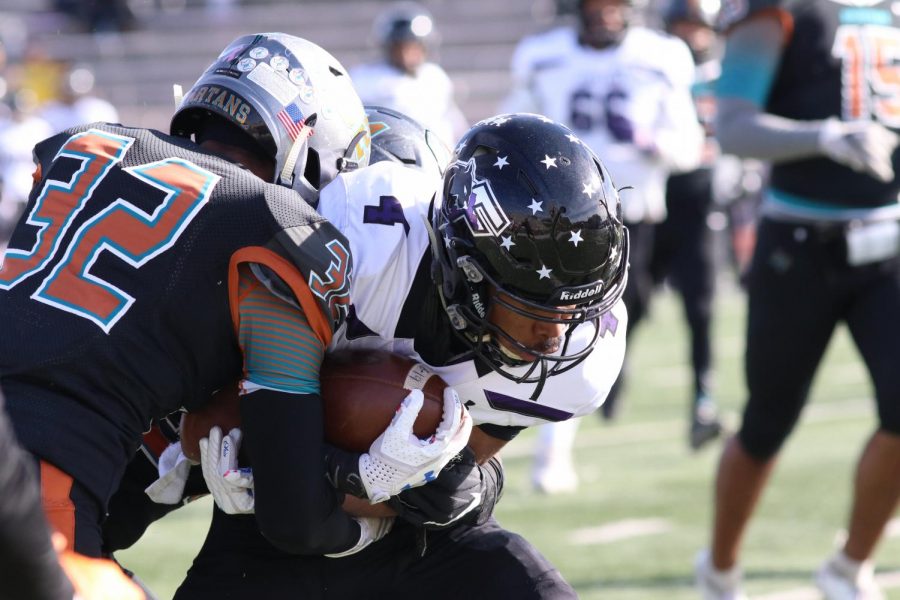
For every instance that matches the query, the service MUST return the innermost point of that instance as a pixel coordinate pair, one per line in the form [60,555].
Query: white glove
[230,485]
[864,146]
[371,529]
[174,468]
[399,460]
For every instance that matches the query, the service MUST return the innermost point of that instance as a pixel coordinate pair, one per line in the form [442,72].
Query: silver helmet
[291,96]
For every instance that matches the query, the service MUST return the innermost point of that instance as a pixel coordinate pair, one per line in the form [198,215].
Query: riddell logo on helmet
[581,294]
[479,305]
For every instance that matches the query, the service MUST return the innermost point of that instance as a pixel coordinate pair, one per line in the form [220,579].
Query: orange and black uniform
[119,300]
[29,561]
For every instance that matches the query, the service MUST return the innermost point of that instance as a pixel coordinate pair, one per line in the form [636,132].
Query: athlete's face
[544,337]
[603,21]
[407,56]
[261,166]
[699,37]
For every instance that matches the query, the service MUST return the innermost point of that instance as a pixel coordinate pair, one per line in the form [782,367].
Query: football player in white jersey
[507,282]
[625,90]
[392,289]
[405,79]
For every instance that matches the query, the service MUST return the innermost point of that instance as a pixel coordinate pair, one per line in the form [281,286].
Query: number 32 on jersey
[121,228]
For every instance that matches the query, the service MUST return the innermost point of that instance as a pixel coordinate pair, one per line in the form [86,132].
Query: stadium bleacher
[136,69]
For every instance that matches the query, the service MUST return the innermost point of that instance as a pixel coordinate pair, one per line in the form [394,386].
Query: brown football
[361,390]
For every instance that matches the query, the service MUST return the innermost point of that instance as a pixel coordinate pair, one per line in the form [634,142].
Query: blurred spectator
[20,130]
[76,104]
[625,90]
[98,16]
[404,79]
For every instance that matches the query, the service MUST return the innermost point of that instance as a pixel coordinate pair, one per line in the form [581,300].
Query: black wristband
[342,470]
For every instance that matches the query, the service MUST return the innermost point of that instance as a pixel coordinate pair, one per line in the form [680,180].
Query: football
[361,390]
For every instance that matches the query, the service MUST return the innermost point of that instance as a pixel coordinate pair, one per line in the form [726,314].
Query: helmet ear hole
[313,169]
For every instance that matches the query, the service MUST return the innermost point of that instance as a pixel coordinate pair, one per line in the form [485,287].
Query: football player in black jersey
[150,270]
[811,85]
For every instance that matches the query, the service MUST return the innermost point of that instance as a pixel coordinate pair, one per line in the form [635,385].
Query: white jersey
[646,79]
[382,210]
[426,96]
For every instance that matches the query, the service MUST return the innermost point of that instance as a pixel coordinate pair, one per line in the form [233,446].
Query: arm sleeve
[281,417]
[297,510]
[25,547]
[752,54]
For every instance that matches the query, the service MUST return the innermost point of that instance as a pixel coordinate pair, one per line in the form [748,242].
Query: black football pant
[683,255]
[464,562]
[678,250]
[800,288]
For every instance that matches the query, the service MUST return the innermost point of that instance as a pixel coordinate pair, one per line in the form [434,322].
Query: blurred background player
[802,86]
[20,130]
[683,244]
[404,79]
[624,89]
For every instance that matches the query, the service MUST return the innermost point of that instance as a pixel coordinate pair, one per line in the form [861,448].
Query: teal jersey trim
[748,73]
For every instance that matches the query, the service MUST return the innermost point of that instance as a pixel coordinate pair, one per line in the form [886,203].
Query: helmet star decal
[549,162]
[501,162]
[588,189]
[576,237]
[544,272]
[506,242]
[536,206]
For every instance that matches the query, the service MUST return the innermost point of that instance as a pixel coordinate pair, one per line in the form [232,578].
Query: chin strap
[286,178]
[344,163]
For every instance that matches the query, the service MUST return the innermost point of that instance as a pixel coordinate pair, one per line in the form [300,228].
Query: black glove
[342,470]
[463,492]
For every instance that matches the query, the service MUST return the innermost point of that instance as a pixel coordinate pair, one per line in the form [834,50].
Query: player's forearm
[296,508]
[744,131]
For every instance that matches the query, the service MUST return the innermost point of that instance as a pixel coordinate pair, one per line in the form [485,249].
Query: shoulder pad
[322,255]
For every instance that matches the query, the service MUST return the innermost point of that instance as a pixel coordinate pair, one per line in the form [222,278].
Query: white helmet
[294,98]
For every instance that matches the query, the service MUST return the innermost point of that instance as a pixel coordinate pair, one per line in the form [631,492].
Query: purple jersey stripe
[500,401]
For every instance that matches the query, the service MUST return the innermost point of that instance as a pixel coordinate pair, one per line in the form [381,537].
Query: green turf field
[643,507]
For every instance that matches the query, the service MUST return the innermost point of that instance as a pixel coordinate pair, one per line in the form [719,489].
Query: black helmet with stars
[528,209]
